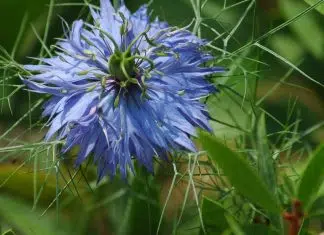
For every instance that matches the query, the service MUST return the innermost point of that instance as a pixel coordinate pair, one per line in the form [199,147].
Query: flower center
[127,68]
[122,67]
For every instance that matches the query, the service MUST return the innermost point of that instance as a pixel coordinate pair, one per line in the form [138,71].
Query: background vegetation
[249,177]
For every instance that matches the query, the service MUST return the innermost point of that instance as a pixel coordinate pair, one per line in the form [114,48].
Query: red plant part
[294,217]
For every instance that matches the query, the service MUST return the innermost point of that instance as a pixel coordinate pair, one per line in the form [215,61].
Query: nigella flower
[124,87]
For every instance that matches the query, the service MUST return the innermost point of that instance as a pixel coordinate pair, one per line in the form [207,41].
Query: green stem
[116,4]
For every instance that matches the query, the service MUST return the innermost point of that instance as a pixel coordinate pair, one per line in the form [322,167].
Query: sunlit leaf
[312,178]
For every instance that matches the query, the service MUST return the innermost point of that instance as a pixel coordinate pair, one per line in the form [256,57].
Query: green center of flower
[127,66]
[122,67]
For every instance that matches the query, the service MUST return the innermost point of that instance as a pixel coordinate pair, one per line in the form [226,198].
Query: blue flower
[124,87]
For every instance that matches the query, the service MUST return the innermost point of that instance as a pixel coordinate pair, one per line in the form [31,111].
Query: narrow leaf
[312,178]
[320,8]
[240,173]
[265,162]
[236,228]
[9,232]
[317,208]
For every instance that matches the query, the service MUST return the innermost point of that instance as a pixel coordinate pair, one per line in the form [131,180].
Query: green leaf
[312,178]
[317,208]
[320,8]
[213,215]
[20,216]
[265,161]
[240,173]
[217,219]
[234,225]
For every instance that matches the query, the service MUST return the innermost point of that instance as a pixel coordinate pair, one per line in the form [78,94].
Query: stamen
[123,28]
[129,48]
[92,44]
[152,66]
[108,36]
[90,53]
[103,82]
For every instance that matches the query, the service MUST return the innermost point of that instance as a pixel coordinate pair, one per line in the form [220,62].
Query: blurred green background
[117,208]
